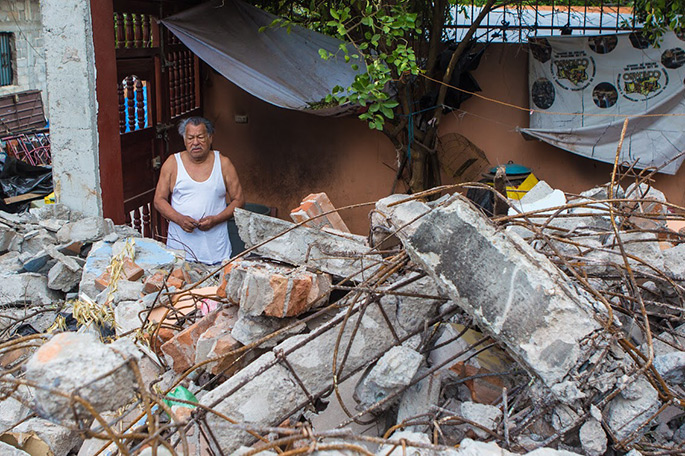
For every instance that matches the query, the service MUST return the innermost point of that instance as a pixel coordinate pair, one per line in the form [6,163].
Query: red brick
[154,283]
[316,204]
[217,341]
[485,390]
[129,271]
[180,350]
[175,282]
[225,274]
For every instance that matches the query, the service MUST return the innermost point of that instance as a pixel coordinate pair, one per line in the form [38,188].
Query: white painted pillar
[70,65]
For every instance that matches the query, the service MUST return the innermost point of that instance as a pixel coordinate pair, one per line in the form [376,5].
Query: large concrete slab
[513,292]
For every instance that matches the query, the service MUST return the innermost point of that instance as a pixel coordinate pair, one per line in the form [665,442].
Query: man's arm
[234,196]
[162,194]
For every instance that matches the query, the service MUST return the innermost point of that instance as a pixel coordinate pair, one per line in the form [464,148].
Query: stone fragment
[62,278]
[179,351]
[26,288]
[10,263]
[314,205]
[302,246]
[671,366]
[399,450]
[55,211]
[34,262]
[632,408]
[217,341]
[593,438]
[13,411]
[512,291]
[393,372]
[37,241]
[249,329]
[73,363]
[487,416]
[650,201]
[282,291]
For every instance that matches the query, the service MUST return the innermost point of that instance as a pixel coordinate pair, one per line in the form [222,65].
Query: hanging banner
[581,89]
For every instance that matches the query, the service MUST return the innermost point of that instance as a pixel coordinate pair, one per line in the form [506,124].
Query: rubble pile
[556,329]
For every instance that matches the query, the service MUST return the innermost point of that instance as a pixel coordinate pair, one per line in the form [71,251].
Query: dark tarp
[284,69]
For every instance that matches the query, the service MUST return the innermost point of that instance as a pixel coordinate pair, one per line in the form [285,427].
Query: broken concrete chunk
[87,229]
[249,329]
[302,246]
[8,238]
[523,300]
[62,278]
[279,291]
[487,416]
[82,365]
[8,450]
[671,367]
[420,399]
[393,372]
[593,438]
[42,437]
[26,288]
[127,315]
[399,450]
[629,410]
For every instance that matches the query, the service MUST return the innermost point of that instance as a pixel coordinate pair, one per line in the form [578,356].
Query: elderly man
[198,190]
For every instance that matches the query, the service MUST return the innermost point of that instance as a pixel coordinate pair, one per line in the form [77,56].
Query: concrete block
[73,363]
[316,249]
[279,291]
[9,450]
[314,205]
[513,292]
[420,399]
[487,416]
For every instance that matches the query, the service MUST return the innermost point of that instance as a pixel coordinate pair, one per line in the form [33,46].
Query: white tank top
[197,200]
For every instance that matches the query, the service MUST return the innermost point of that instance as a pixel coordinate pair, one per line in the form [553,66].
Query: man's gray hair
[196,120]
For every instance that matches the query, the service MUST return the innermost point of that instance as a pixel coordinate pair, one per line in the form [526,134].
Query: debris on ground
[556,328]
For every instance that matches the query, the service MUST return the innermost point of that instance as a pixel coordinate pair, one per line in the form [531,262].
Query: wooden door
[158,84]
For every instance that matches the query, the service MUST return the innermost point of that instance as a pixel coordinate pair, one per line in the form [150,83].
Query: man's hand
[209,222]
[187,224]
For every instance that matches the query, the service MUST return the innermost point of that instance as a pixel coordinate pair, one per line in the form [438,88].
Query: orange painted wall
[282,155]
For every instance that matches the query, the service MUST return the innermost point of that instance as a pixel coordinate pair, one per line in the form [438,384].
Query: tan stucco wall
[281,155]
